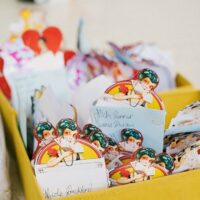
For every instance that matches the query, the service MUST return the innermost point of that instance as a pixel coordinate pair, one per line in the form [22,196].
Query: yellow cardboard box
[180,186]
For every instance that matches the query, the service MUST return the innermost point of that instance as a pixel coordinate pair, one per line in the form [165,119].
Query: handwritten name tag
[111,120]
[62,180]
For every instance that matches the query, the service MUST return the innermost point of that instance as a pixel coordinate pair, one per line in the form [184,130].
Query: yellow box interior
[180,186]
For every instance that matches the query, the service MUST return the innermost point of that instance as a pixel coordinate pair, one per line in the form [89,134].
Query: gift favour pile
[91,119]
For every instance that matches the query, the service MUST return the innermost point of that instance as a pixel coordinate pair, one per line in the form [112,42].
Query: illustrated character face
[47,134]
[67,128]
[165,162]
[133,140]
[162,164]
[146,160]
[45,131]
[149,79]
[70,135]
[98,145]
[99,140]
[147,84]
[112,149]
[145,156]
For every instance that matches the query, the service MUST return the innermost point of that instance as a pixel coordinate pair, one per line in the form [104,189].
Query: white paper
[46,60]
[87,94]
[51,109]
[62,180]
[24,84]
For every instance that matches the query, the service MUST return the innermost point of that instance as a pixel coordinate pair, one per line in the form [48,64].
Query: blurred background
[174,24]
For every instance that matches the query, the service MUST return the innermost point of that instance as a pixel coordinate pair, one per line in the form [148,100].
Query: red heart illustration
[51,36]
[31,39]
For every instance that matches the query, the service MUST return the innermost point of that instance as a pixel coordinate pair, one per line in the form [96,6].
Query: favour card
[62,180]
[112,119]
[132,104]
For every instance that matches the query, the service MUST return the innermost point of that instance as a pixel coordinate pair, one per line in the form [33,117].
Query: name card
[62,180]
[111,120]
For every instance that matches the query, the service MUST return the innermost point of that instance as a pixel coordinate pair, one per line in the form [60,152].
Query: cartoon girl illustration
[112,150]
[142,88]
[70,149]
[45,133]
[131,140]
[143,163]
[99,140]
[165,162]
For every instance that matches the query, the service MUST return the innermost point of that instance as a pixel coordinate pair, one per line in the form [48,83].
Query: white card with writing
[112,119]
[82,176]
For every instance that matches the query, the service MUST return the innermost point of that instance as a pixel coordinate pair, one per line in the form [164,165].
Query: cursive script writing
[69,190]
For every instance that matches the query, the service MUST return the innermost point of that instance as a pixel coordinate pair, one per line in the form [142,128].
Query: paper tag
[62,180]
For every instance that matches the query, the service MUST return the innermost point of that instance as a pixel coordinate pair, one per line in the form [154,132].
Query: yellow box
[180,186]
[182,83]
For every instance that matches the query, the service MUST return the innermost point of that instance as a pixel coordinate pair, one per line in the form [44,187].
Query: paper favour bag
[66,164]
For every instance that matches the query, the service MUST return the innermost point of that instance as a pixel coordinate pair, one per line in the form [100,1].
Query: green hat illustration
[43,126]
[145,151]
[130,132]
[167,160]
[89,128]
[66,123]
[148,73]
[99,136]
[111,142]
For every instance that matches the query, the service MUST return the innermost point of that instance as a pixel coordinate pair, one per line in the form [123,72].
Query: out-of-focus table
[173,24]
